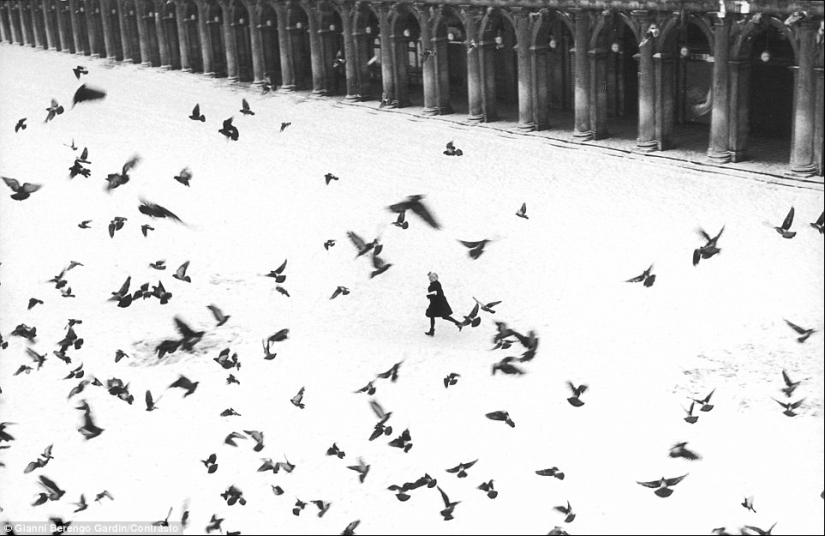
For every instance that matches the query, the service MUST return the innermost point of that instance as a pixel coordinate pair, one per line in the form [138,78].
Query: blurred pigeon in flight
[819,224]
[415,204]
[784,229]
[646,278]
[21,125]
[522,212]
[87,94]
[245,108]
[803,332]
[663,485]
[54,109]
[184,177]
[21,192]
[197,115]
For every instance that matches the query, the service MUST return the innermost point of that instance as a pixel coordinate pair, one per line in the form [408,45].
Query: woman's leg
[432,327]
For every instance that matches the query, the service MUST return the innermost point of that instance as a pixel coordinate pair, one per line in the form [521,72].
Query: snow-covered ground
[594,222]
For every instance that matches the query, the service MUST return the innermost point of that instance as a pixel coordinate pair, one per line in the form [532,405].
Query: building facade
[739,70]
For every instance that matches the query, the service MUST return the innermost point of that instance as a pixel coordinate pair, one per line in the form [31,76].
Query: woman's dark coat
[438,302]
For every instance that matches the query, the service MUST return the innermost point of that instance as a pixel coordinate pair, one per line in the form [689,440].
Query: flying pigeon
[23,191]
[784,230]
[415,204]
[197,115]
[87,94]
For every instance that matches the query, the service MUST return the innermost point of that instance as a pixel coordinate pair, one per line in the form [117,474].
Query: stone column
[582,130]
[365,51]
[488,80]
[665,99]
[91,30]
[163,41]
[229,32]
[739,73]
[256,43]
[646,140]
[437,78]
[818,125]
[401,70]
[183,39]
[802,151]
[206,40]
[4,31]
[474,80]
[125,42]
[143,35]
[718,150]
[36,11]
[285,49]
[79,45]
[23,10]
[387,72]
[539,57]
[526,108]
[106,7]
[62,29]
[350,54]
[598,93]
[316,54]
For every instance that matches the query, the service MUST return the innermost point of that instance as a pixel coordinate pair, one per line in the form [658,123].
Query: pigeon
[180,273]
[507,368]
[230,439]
[163,522]
[277,490]
[87,94]
[759,531]
[218,314]
[158,265]
[83,156]
[84,224]
[21,125]
[33,302]
[116,225]
[282,290]
[574,400]
[706,405]
[488,487]
[78,169]
[23,191]
[567,511]
[268,355]
[679,451]
[184,176]
[89,430]
[335,451]
[803,332]
[392,373]
[156,211]
[81,505]
[691,418]
[451,150]
[189,337]
[472,319]
[476,248]
[230,412]
[819,224]
[360,245]
[284,125]
[362,469]
[790,386]
[501,416]
[197,115]
[79,70]
[328,244]
[663,486]
[150,402]
[784,230]
[522,212]
[104,495]
[245,108]
[350,530]
[186,384]
[415,204]
[279,336]
[122,295]
[297,399]
[709,249]
[401,221]
[225,361]
[449,507]
[278,274]
[451,379]
[115,180]
[329,177]
[646,278]
[145,229]
[748,503]
[214,524]
[37,358]
[54,109]
[5,436]
[232,379]
[553,471]
[461,469]
[790,406]
[379,265]
[403,441]
[229,130]
[160,293]
[338,291]
[487,307]
[369,389]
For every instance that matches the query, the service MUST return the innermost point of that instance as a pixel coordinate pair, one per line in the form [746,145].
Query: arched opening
[367,39]
[771,88]
[65,20]
[499,68]
[99,39]
[114,28]
[554,83]
[617,47]
[298,31]
[169,21]
[151,33]
[39,20]
[28,26]
[54,24]
[409,56]
[243,42]
[450,48]
[270,44]
[214,27]
[82,28]
[130,16]
[332,51]
[191,35]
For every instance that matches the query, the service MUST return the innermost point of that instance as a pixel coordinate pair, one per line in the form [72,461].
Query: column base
[351,98]
[602,134]
[719,157]
[286,88]
[647,146]
[430,111]
[528,126]
[186,69]
[738,156]
[582,135]
[233,79]
[127,60]
[807,170]
[95,56]
[475,118]
[165,67]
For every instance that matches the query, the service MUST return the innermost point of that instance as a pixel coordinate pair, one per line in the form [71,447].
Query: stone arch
[131,30]
[408,54]
[240,33]
[741,48]
[151,52]
[670,30]
[214,29]
[270,43]
[449,41]
[551,42]
[333,50]
[298,39]
[169,29]
[190,34]
[367,38]
[499,65]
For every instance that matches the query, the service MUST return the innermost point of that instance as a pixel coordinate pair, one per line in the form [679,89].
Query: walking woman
[438,305]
